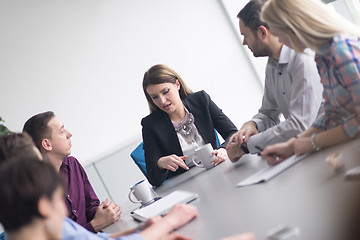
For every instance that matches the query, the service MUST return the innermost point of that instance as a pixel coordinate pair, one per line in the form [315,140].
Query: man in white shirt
[292,88]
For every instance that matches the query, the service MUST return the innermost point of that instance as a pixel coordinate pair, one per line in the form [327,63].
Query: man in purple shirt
[20,147]
[53,141]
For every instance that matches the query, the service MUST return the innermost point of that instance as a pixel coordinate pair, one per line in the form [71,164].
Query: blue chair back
[217,138]
[138,156]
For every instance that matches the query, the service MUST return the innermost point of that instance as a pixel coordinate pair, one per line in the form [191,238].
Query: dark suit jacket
[160,138]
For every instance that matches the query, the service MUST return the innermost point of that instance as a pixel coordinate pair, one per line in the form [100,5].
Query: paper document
[269,172]
[163,205]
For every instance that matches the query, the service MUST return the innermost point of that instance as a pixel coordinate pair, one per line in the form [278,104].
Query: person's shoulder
[72,230]
[343,44]
[70,159]
[338,42]
[343,38]
[307,55]
[299,61]
[69,224]
[196,95]
[72,162]
[69,227]
[153,117]
[198,99]
[342,48]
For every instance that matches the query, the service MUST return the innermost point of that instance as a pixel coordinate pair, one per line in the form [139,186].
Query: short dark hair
[23,183]
[37,127]
[250,15]
[16,145]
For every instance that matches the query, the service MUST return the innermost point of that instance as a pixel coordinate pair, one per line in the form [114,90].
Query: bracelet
[313,144]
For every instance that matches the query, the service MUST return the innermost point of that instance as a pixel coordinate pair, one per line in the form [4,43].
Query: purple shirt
[80,198]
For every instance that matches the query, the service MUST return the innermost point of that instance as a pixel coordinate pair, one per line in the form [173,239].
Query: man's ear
[46,144]
[44,207]
[262,32]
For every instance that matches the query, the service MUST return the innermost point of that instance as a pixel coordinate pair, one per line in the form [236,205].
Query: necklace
[186,127]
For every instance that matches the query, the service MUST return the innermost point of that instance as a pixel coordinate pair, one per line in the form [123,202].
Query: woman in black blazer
[180,120]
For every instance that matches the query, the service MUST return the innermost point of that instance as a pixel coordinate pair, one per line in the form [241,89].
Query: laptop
[163,205]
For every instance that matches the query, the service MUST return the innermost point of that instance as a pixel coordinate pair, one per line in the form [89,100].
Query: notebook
[270,172]
[163,205]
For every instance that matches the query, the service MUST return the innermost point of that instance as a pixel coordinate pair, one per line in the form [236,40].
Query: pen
[271,155]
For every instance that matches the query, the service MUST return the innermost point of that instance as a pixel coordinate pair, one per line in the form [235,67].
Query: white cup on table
[202,157]
[143,193]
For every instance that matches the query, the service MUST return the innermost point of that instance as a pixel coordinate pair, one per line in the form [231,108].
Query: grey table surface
[310,196]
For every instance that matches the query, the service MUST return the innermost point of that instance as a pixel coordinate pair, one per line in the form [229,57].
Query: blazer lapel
[168,134]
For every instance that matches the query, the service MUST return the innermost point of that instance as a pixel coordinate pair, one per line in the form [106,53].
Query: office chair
[139,158]
[217,138]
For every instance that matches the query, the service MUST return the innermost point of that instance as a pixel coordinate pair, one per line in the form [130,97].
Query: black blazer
[160,138]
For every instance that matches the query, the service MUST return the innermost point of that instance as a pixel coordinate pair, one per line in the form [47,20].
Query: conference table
[311,196]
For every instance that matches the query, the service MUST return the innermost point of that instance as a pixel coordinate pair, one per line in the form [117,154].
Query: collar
[284,55]
[65,164]
[284,58]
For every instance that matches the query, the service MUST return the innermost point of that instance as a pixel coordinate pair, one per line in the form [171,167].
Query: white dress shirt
[293,88]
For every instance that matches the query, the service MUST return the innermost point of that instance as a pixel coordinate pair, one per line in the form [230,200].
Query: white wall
[85,61]
[232,8]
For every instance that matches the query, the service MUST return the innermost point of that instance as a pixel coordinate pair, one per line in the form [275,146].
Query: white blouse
[191,142]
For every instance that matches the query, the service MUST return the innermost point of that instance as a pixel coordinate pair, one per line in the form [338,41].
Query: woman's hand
[172,162]
[278,152]
[303,145]
[221,155]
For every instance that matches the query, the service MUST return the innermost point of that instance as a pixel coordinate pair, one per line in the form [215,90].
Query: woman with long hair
[302,24]
[180,121]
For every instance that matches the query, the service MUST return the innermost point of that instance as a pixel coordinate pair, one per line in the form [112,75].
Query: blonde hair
[313,22]
[161,73]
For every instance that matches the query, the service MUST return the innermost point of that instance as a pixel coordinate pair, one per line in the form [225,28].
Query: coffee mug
[143,192]
[202,154]
[188,160]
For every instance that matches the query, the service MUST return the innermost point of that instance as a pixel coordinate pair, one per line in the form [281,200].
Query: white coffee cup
[143,192]
[188,160]
[202,155]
